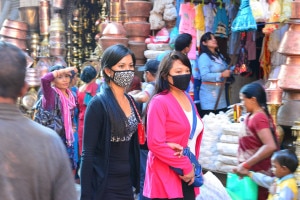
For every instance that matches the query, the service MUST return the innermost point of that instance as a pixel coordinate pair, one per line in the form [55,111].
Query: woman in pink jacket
[169,125]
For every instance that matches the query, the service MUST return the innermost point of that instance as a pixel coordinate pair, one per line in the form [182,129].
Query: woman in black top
[110,157]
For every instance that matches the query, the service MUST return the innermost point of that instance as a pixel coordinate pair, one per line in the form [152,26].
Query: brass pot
[106,42]
[290,43]
[44,17]
[289,74]
[274,92]
[15,24]
[138,49]
[13,33]
[114,29]
[19,43]
[31,16]
[295,7]
[138,10]
[137,31]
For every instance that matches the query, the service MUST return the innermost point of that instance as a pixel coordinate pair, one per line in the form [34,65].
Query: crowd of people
[99,142]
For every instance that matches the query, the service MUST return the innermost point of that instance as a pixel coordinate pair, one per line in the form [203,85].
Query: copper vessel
[137,31]
[115,11]
[44,17]
[114,33]
[289,74]
[138,10]
[274,93]
[20,25]
[31,16]
[138,48]
[13,33]
[295,8]
[19,43]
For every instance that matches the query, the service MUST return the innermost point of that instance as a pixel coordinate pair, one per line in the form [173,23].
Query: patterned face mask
[123,78]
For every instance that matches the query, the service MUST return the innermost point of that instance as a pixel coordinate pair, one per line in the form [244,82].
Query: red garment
[92,89]
[249,145]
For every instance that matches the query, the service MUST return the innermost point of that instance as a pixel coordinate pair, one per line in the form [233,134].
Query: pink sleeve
[156,136]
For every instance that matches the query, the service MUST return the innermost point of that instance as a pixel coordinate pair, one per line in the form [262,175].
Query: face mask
[123,78]
[181,81]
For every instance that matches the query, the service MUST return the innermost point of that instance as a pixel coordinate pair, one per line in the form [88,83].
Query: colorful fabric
[244,20]
[67,104]
[187,25]
[199,20]
[220,28]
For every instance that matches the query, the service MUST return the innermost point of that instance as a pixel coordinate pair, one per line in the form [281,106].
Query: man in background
[34,163]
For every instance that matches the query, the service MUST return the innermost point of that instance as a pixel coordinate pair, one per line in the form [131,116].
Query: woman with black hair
[173,123]
[259,142]
[213,70]
[55,90]
[110,156]
[85,94]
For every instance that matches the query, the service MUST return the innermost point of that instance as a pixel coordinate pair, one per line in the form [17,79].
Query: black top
[97,149]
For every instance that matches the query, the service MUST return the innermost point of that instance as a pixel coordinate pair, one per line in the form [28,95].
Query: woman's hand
[189,178]
[241,170]
[177,148]
[226,73]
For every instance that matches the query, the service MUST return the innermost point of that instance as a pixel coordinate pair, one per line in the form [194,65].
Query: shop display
[74,33]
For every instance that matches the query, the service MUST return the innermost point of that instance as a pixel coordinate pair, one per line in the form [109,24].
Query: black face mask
[181,81]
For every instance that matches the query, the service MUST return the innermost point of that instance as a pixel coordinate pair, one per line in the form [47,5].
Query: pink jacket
[166,122]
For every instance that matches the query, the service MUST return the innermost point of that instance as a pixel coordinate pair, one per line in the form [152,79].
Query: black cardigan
[94,168]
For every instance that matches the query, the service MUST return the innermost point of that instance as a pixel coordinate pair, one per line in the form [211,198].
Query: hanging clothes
[265,58]
[275,11]
[251,45]
[244,20]
[286,10]
[199,23]
[187,25]
[220,27]
[209,17]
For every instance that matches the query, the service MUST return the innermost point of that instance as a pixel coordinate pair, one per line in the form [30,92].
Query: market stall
[261,38]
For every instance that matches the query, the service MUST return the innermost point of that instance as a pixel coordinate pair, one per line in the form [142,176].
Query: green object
[241,188]
[232,195]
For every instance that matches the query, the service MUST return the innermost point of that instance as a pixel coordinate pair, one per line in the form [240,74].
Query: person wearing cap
[149,69]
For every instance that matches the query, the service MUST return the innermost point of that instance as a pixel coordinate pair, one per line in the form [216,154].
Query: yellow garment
[275,10]
[199,19]
[290,183]
[265,58]
[286,10]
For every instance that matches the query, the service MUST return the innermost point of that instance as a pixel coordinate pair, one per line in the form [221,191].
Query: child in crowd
[284,185]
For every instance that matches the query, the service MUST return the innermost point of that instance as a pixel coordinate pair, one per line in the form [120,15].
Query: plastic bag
[242,188]
[212,189]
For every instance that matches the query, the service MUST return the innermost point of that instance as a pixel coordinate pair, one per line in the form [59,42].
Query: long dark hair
[165,66]
[204,49]
[112,55]
[256,90]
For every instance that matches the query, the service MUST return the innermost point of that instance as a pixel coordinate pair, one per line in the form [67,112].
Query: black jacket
[95,156]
